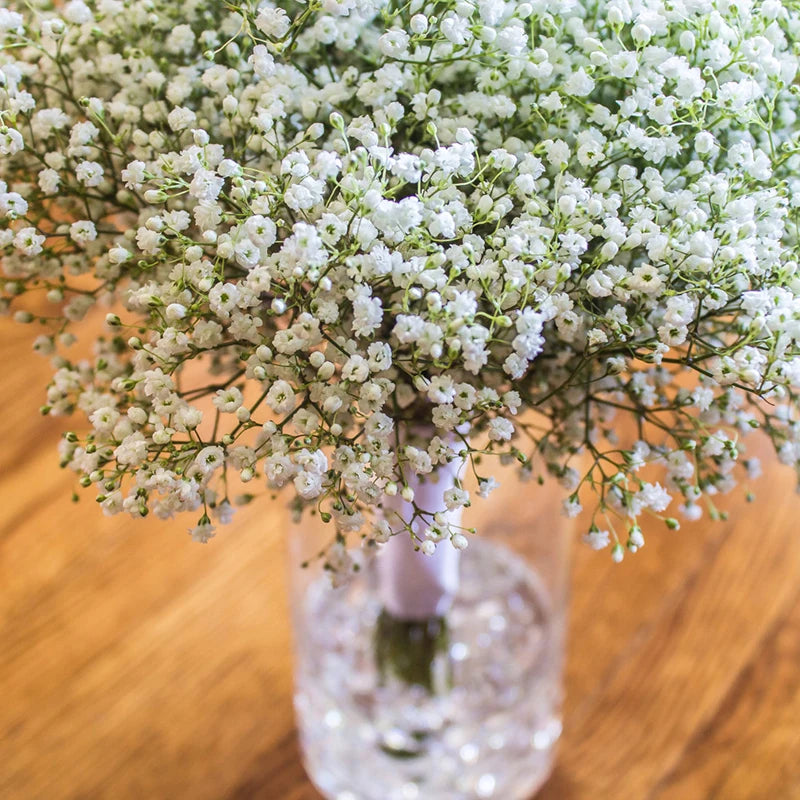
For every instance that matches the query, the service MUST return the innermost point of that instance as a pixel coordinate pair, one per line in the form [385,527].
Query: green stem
[414,652]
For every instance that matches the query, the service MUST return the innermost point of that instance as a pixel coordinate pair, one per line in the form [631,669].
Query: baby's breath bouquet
[317,229]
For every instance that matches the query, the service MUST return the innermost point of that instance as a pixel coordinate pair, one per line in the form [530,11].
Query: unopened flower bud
[459,541]
[325,372]
[419,24]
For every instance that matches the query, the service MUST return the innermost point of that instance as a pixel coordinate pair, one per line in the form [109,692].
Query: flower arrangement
[340,219]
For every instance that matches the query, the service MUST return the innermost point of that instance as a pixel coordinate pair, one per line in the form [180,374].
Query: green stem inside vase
[413,652]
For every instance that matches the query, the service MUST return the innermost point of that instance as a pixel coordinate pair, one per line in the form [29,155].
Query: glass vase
[462,702]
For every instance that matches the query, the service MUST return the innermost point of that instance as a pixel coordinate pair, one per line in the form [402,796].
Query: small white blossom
[203,531]
[89,173]
[597,539]
[280,397]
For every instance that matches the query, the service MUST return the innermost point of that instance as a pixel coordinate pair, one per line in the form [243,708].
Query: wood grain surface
[137,665]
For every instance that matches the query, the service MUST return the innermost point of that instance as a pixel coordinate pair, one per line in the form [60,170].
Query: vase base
[411,791]
[490,735]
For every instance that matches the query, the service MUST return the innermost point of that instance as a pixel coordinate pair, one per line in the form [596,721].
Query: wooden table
[139,665]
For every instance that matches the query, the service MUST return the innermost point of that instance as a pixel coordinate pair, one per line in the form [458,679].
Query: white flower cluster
[362,216]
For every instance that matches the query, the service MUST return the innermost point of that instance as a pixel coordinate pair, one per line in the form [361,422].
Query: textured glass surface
[486,731]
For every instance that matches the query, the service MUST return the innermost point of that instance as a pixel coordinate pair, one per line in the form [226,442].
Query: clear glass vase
[462,704]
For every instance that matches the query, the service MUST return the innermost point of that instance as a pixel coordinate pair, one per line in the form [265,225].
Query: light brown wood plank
[676,675]
[755,726]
